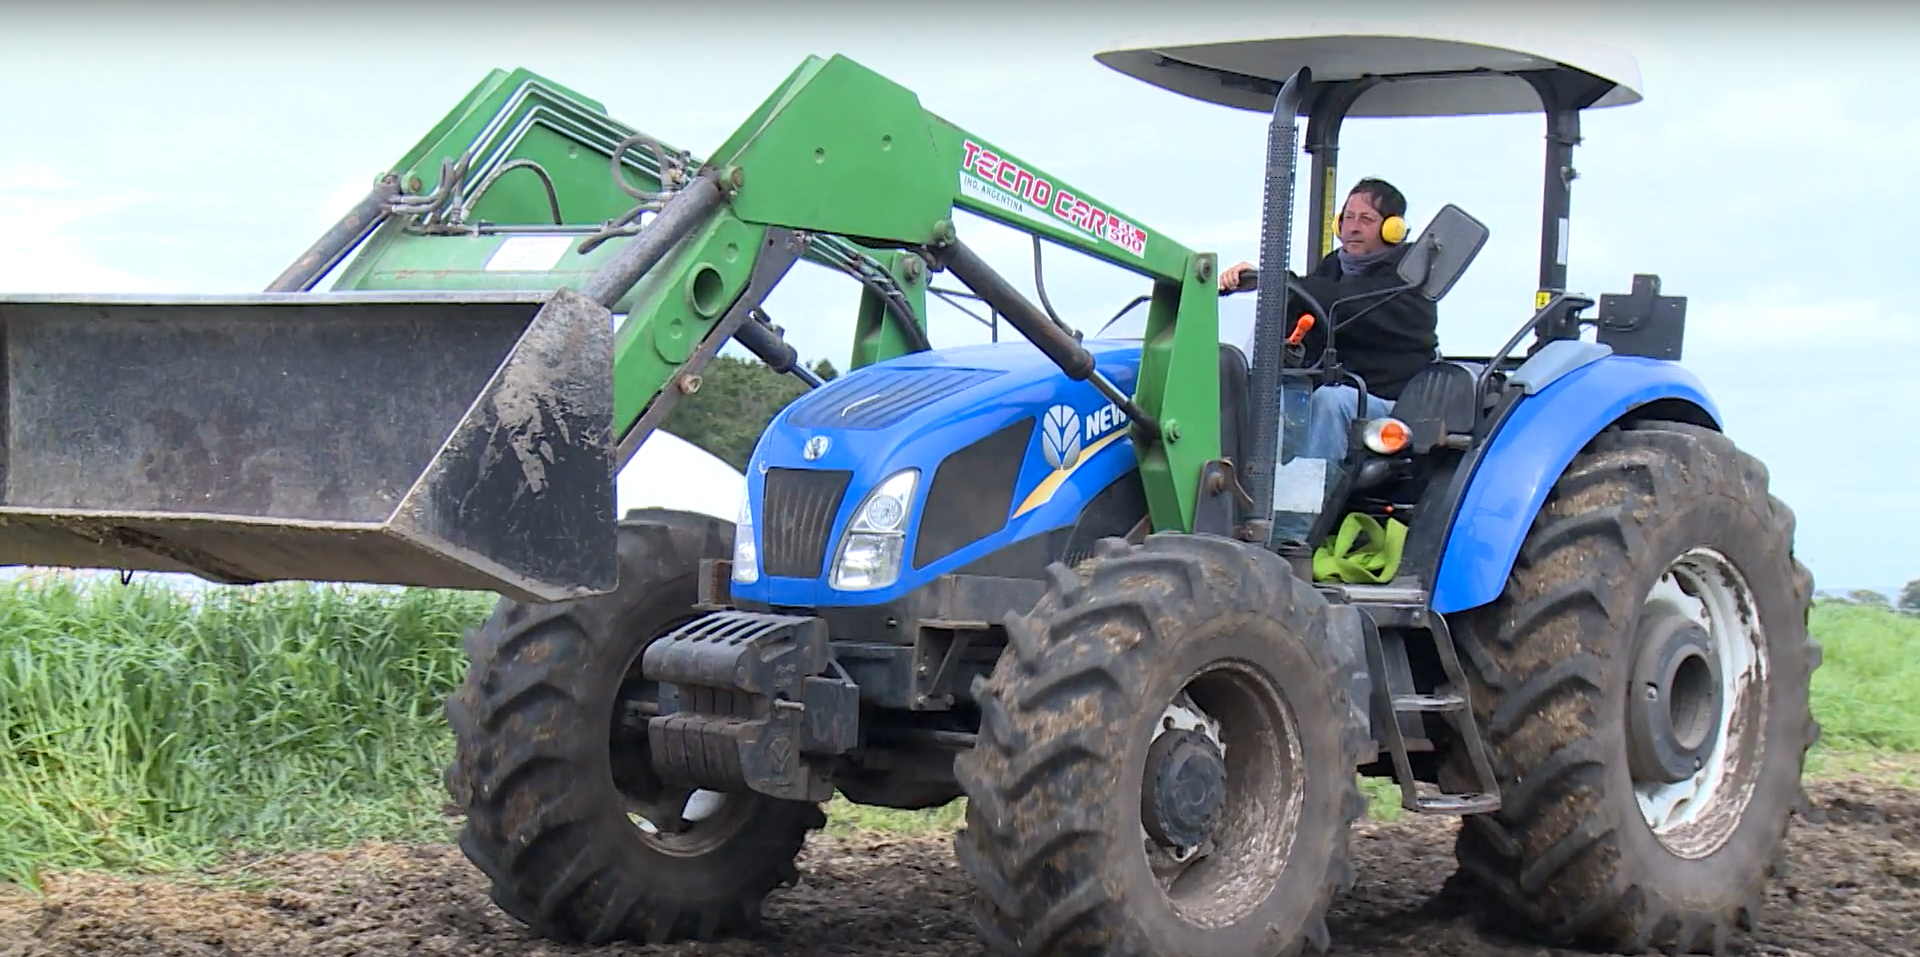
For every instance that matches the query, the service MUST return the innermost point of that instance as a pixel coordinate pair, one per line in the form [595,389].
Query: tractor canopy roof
[1424,71]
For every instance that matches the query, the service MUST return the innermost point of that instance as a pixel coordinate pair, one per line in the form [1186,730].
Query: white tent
[670,472]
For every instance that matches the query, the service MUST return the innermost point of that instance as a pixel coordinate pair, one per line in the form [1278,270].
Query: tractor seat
[1438,400]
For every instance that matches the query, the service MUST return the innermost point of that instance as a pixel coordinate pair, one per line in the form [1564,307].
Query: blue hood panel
[914,411]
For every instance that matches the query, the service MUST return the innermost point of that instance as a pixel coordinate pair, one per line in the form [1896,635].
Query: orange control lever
[1300,329]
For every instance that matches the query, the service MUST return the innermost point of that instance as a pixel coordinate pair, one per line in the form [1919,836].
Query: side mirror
[1437,259]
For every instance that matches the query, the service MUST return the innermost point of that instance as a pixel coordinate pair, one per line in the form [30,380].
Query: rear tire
[538,724]
[1557,679]
[1056,833]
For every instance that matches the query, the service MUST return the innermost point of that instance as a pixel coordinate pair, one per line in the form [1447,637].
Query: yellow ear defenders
[1393,230]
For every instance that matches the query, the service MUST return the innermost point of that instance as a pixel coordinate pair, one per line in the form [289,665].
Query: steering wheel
[1297,297]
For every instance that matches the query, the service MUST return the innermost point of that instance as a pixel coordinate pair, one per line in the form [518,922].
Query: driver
[1394,338]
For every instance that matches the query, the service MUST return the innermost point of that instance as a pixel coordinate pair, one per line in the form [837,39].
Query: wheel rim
[1244,715]
[708,819]
[1694,815]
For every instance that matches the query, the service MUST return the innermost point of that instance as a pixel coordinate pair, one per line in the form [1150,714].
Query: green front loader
[1091,585]
[451,412]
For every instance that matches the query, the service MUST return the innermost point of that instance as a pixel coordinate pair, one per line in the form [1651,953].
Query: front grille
[972,493]
[796,522]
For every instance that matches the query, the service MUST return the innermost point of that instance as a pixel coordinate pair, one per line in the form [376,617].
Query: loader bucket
[457,440]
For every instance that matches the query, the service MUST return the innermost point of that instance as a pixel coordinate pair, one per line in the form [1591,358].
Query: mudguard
[1527,455]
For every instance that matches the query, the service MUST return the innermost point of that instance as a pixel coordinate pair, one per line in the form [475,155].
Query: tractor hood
[988,444]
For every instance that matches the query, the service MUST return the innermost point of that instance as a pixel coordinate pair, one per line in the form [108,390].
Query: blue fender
[1526,457]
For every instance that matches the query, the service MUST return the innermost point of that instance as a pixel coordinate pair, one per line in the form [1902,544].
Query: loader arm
[452,410]
[513,189]
[840,150]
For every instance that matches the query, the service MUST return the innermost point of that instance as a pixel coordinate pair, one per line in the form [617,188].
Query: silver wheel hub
[1697,704]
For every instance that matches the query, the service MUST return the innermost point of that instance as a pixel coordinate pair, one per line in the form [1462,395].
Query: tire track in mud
[1853,888]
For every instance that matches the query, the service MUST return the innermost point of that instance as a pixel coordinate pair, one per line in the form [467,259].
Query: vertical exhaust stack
[1270,304]
[457,440]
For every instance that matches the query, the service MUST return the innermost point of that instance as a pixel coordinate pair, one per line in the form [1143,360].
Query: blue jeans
[1330,414]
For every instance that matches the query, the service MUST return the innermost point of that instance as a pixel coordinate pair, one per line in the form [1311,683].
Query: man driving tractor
[1392,337]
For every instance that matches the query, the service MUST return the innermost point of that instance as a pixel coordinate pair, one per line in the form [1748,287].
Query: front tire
[553,770]
[1186,635]
[1651,646]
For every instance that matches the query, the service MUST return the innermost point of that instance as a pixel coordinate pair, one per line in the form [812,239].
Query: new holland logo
[1067,439]
[816,447]
[1060,437]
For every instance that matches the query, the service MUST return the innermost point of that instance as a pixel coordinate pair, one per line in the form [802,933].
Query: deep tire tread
[544,823]
[1043,774]
[1545,644]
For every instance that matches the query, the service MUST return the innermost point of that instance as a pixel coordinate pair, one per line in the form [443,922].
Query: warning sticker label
[529,253]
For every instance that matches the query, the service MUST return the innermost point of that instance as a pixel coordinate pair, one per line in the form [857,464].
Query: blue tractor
[1086,584]
[1579,623]
[1590,640]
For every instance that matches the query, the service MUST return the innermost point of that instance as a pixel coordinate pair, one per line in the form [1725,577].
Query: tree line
[736,401]
[1908,600]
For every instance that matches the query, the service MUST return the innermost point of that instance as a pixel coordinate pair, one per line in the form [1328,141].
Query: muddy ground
[1853,890]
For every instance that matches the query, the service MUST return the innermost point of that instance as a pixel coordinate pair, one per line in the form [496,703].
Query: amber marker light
[1386,436]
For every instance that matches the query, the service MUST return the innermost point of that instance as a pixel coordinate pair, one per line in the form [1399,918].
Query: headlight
[871,551]
[746,560]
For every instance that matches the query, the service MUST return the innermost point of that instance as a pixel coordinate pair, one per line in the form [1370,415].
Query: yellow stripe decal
[1043,493]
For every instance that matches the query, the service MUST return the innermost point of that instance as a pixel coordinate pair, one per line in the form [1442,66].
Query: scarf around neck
[1349,263]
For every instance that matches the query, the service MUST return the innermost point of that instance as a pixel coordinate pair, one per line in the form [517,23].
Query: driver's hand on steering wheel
[1230,276]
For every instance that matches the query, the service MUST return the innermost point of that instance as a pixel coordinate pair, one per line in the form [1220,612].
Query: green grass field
[144,731]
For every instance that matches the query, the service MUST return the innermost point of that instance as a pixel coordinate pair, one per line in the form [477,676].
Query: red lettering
[1065,206]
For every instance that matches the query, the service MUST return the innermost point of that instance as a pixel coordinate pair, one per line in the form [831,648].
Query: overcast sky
[199,147]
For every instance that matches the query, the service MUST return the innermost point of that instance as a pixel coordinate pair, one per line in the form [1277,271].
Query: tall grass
[144,728]
[1867,691]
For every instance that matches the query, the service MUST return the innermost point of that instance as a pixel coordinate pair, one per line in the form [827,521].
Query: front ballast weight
[751,701]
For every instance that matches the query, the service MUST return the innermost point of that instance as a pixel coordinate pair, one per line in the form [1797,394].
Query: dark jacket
[1396,336]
